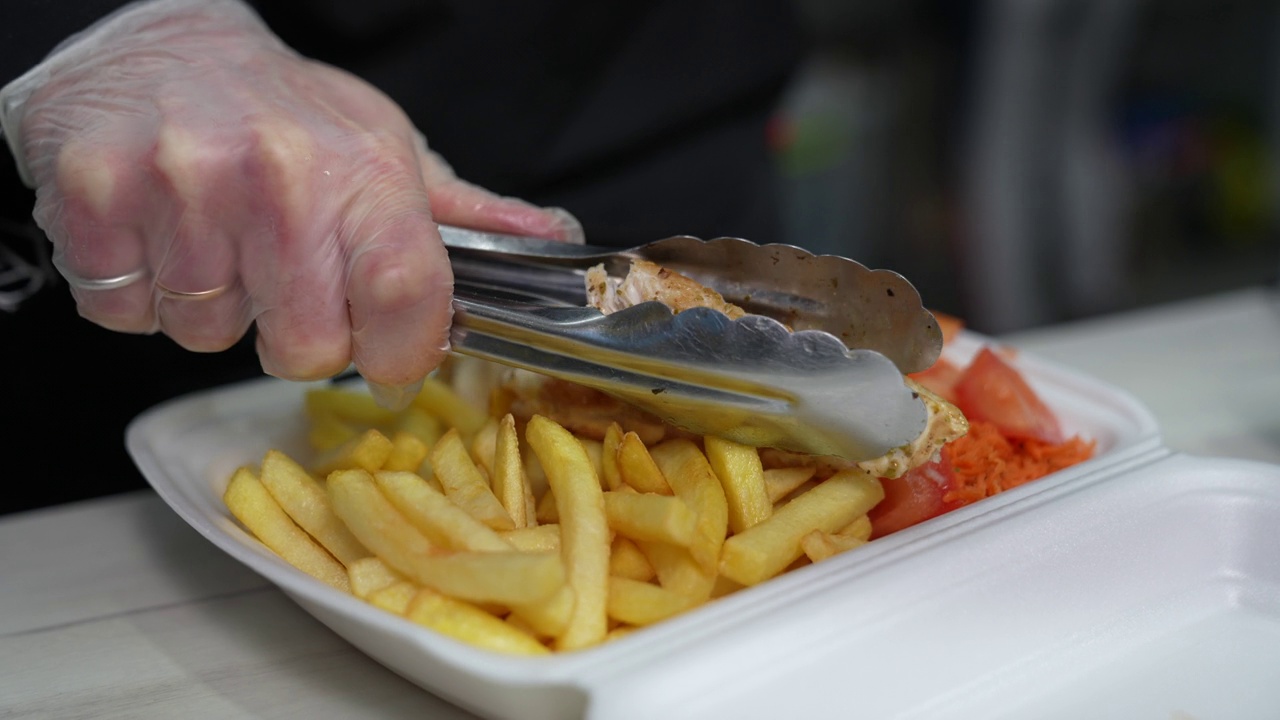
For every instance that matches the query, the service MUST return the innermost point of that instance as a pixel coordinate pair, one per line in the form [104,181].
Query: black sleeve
[29,29]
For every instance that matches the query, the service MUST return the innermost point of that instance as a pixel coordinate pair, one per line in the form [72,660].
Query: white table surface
[114,608]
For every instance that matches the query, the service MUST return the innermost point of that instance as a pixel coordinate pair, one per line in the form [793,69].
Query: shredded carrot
[985,462]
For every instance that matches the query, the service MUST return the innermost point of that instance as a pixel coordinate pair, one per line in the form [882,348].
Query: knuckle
[190,161]
[91,174]
[384,157]
[394,278]
[283,156]
[284,148]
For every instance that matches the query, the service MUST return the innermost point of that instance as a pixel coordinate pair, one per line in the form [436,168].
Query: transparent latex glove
[195,175]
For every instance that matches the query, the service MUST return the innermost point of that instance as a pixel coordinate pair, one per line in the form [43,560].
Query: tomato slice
[940,378]
[912,498]
[991,389]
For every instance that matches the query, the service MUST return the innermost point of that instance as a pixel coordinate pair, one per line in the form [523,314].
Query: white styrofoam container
[1139,584]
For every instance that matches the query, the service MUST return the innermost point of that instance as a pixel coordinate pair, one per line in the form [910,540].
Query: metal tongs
[816,366]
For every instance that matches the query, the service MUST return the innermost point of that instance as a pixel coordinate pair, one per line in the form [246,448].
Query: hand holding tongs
[818,367]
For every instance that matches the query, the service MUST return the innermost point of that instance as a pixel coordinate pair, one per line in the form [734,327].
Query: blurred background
[1022,162]
[1027,162]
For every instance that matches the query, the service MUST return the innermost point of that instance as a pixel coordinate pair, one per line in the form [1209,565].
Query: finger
[400,283]
[400,292]
[199,301]
[90,210]
[452,201]
[293,267]
[206,324]
[457,202]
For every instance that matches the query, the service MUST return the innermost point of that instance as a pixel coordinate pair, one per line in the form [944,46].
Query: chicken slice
[648,281]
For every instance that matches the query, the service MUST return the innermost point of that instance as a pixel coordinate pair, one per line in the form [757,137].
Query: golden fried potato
[691,477]
[584,529]
[465,485]
[254,507]
[304,500]
[742,477]
[766,549]
[471,625]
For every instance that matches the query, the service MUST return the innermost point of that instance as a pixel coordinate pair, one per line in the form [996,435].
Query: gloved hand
[196,175]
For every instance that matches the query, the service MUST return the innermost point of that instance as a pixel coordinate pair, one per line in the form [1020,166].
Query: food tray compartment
[1150,594]
[187,449]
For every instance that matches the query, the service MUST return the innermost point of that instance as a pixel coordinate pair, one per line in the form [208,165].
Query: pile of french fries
[522,538]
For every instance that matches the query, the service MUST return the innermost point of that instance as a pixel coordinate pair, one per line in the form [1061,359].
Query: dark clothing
[644,119]
[555,101]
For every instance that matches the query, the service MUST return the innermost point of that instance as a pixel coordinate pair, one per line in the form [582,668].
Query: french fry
[368,452]
[531,507]
[620,632]
[304,500]
[251,504]
[724,586]
[584,530]
[443,403]
[678,572]
[637,468]
[803,488]
[533,471]
[407,452]
[533,539]
[355,407]
[691,477]
[463,483]
[326,431]
[766,549]
[394,598]
[420,424]
[471,625]
[520,624]
[742,477]
[798,563]
[779,482]
[546,513]
[509,482]
[370,575]
[818,545]
[375,522]
[428,473]
[435,516]
[659,518]
[595,452]
[484,445]
[641,603]
[609,473]
[472,380]
[860,529]
[506,578]
[499,577]
[628,561]
[550,616]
